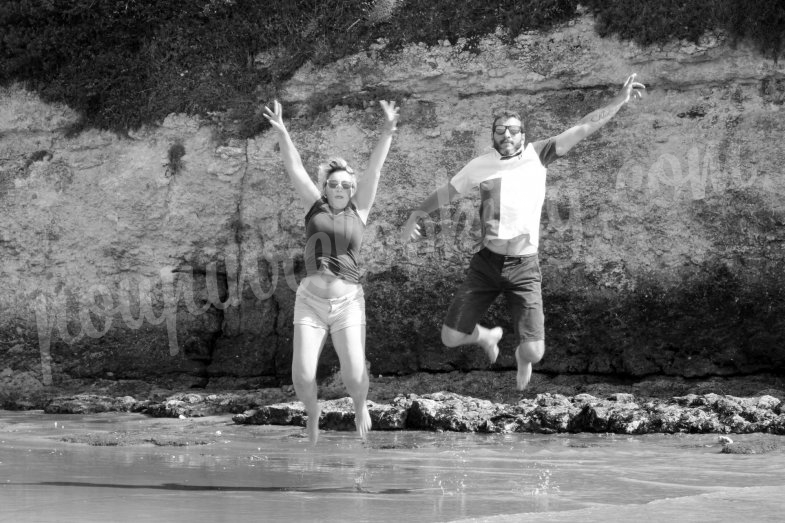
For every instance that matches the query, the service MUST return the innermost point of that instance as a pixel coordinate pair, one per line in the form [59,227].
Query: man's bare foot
[312,425]
[362,419]
[491,344]
[524,371]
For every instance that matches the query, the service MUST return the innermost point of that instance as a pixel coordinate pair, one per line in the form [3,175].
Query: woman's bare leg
[308,344]
[350,345]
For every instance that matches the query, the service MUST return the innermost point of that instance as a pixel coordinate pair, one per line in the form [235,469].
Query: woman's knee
[302,377]
[355,380]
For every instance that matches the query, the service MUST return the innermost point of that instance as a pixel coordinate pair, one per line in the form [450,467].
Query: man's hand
[412,230]
[631,89]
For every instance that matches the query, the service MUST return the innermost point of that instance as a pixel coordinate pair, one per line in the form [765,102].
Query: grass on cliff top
[126,63]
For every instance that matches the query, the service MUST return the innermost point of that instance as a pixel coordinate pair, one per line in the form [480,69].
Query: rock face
[171,255]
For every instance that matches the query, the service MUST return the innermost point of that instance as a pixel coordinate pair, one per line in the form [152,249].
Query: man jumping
[511,179]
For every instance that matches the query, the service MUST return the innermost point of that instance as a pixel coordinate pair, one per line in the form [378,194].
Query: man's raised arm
[596,119]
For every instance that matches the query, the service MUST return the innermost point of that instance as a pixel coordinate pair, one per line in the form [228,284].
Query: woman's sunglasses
[333,184]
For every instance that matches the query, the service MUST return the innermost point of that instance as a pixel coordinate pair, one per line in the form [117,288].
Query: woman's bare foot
[362,419]
[312,425]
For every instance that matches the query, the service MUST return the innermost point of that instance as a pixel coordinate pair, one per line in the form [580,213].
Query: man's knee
[532,351]
[452,337]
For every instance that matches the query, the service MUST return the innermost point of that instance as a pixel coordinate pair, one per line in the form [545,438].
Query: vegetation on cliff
[124,63]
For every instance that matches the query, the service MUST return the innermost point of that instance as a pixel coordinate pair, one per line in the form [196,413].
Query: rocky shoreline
[480,401]
[546,413]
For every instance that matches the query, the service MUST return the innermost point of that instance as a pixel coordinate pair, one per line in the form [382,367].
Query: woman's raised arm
[291,158]
[367,185]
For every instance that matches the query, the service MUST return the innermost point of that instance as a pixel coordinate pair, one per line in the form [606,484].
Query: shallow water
[271,474]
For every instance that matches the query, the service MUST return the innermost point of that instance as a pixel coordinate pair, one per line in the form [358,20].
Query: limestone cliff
[171,255]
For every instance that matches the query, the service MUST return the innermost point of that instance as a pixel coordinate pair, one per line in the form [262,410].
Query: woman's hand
[390,115]
[275,116]
[291,158]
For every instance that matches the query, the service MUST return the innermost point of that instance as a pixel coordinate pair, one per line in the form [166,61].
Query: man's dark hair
[503,115]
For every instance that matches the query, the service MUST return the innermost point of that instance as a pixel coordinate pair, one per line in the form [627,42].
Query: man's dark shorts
[489,274]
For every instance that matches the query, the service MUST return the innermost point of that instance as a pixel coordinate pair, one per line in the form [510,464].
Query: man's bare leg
[488,339]
[528,352]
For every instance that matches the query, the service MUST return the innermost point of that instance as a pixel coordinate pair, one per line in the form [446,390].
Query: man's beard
[516,150]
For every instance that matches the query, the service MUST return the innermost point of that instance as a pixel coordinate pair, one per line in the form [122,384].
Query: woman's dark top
[333,241]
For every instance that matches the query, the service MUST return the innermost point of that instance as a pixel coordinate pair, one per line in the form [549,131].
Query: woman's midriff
[328,285]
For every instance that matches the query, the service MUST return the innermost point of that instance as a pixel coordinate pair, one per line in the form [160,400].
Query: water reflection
[217,488]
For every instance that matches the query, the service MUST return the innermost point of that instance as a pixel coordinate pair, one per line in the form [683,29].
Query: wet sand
[130,467]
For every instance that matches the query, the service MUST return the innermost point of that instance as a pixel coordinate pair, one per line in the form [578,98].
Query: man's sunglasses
[514,129]
[333,184]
